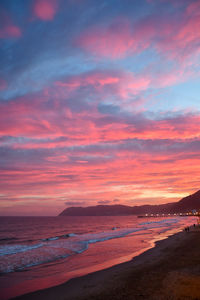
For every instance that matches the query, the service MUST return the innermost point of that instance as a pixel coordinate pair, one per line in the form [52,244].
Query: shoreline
[110,283]
[85,263]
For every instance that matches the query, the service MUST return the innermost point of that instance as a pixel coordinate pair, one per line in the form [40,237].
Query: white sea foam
[19,257]
[50,239]
[14,249]
[165,221]
[67,235]
[71,234]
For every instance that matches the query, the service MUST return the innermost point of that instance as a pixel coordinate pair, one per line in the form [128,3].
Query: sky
[99,103]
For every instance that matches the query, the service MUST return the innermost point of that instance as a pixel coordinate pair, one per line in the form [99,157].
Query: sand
[170,270]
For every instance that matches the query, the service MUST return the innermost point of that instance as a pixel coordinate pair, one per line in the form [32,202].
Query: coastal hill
[186,204]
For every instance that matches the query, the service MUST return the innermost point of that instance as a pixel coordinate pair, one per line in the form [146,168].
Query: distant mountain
[99,210]
[186,204]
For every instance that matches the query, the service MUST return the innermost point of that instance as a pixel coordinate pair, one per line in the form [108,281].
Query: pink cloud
[10,32]
[100,172]
[115,41]
[49,120]
[7,28]
[45,9]
[55,118]
[121,84]
[193,8]
[175,36]
[184,42]
[95,78]
[121,178]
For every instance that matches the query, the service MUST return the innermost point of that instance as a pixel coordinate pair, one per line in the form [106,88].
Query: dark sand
[171,270]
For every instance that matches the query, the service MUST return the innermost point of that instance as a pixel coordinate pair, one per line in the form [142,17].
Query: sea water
[38,252]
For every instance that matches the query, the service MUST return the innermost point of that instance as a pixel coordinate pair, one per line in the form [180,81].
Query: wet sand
[170,270]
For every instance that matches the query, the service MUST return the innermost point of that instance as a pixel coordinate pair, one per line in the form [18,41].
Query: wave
[67,235]
[14,249]
[38,254]
[19,257]
[165,221]
[50,239]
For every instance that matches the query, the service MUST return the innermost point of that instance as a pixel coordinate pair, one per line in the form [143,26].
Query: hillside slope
[186,204]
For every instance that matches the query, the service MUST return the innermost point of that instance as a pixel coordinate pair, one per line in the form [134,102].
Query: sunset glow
[99,103]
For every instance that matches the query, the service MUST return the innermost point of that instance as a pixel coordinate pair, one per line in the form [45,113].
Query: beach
[170,270]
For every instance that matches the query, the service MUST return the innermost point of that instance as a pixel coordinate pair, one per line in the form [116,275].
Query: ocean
[39,252]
